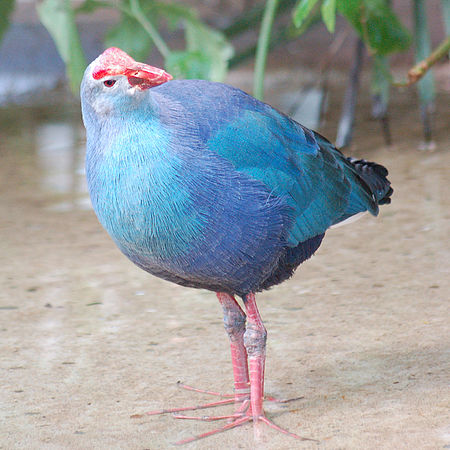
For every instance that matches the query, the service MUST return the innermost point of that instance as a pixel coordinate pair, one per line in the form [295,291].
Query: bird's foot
[240,399]
[237,419]
[244,395]
[227,399]
[204,391]
[239,396]
[242,415]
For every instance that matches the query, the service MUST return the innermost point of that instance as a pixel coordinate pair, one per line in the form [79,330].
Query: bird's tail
[375,176]
[370,186]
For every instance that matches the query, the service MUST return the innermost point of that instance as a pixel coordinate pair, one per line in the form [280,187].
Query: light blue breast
[138,194]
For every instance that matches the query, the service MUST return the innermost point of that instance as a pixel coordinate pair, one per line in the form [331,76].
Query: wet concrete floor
[361,332]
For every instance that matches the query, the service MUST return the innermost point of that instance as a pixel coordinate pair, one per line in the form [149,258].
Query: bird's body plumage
[207,187]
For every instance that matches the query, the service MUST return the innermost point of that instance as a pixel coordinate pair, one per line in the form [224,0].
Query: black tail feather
[375,175]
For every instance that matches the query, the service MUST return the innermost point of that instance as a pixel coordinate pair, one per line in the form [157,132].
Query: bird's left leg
[255,342]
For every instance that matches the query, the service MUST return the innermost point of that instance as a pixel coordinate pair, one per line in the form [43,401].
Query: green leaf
[313,19]
[137,13]
[6,9]
[207,50]
[377,25]
[328,10]
[187,64]
[174,13]
[129,35]
[302,10]
[212,45]
[59,19]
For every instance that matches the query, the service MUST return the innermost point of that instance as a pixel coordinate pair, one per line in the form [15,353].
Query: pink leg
[252,342]
[248,342]
[255,343]
[234,321]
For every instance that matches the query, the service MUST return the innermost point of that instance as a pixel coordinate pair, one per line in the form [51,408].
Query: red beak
[146,76]
[114,61]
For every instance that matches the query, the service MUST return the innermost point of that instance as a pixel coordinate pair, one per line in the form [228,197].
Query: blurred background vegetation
[252,30]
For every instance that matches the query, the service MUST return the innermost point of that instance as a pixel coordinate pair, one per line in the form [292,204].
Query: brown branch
[421,68]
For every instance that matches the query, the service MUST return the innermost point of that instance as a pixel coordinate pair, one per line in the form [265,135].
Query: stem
[426,84]
[381,82]
[446,14]
[278,37]
[263,46]
[345,127]
[421,68]
[137,13]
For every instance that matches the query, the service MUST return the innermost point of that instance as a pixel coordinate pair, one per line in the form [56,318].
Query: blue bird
[203,185]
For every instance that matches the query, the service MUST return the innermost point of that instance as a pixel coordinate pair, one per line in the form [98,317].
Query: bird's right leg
[234,321]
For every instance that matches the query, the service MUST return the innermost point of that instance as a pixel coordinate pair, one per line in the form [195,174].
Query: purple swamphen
[203,185]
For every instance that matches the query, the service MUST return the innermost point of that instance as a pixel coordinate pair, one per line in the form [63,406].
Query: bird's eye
[109,83]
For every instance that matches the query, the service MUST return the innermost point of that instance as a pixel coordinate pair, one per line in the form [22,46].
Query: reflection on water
[44,148]
[57,158]
[60,157]
[17,87]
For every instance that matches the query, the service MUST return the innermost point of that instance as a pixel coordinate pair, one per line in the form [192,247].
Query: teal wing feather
[316,180]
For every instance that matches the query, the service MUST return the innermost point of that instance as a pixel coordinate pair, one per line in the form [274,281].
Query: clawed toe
[239,419]
[186,408]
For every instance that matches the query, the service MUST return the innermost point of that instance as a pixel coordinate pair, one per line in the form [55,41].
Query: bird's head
[116,81]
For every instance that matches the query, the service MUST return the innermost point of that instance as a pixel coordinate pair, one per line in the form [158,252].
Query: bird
[201,184]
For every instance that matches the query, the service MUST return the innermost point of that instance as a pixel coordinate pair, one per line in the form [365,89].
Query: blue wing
[295,163]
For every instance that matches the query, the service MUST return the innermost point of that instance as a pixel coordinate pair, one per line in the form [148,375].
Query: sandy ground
[361,332]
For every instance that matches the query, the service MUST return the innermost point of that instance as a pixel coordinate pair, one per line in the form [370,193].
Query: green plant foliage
[374,21]
[377,25]
[265,31]
[426,87]
[381,82]
[207,51]
[212,45]
[59,19]
[89,6]
[172,12]
[130,37]
[306,9]
[6,9]
[185,64]
[328,11]
[302,11]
